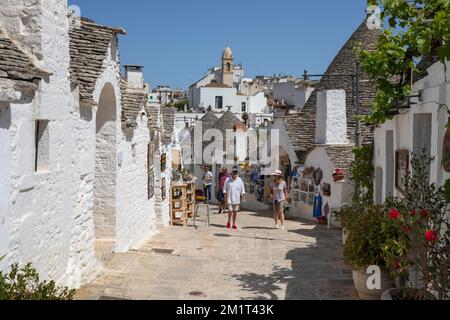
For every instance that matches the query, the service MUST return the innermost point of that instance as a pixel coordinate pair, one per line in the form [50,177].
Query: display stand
[181,203]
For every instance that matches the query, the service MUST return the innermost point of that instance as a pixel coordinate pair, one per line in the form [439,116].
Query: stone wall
[40,207]
[434,88]
[47,217]
[136,218]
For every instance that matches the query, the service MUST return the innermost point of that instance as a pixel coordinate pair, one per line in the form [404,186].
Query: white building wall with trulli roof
[434,89]
[47,216]
[40,217]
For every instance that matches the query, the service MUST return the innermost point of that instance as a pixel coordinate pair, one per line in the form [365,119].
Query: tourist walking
[234,191]
[207,184]
[223,176]
[279,196]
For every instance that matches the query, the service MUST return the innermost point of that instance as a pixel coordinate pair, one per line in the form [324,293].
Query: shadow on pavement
[317,273]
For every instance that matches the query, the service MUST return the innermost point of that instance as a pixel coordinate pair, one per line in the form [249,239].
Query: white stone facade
[291,94]
[91,182]
[434,89]
[331,117]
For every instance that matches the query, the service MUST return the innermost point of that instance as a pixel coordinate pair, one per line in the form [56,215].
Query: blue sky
[178,40]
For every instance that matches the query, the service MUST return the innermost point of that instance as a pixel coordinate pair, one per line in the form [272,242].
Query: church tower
[228,67]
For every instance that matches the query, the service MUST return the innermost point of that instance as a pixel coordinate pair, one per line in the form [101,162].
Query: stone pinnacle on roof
[227,53]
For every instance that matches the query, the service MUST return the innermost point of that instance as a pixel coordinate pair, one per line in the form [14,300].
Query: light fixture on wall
[404,105]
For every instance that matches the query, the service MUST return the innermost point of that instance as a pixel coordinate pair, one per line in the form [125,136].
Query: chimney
[331,117]
[134,75]
[40,31]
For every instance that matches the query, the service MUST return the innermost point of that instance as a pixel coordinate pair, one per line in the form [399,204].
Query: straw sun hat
[277,173]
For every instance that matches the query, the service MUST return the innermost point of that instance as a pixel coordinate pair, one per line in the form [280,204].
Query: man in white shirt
[234,192]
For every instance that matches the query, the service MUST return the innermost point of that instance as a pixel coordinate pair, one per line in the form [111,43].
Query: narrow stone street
[255,262]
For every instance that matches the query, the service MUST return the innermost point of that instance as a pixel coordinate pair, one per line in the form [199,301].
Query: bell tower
[228,67]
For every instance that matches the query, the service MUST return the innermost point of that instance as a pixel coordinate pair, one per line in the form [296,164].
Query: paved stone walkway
[256,262]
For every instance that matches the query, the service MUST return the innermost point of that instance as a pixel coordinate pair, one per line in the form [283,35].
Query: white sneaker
[283,228]
[277,227]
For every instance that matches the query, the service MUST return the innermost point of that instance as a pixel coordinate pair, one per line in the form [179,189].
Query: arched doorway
[105,166]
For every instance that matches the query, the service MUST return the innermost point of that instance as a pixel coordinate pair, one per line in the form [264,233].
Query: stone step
[104,250]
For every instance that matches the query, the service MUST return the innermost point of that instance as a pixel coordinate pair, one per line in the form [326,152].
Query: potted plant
[420,256]
[366,236]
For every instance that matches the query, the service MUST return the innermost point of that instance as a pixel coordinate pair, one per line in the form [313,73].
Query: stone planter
[360,280]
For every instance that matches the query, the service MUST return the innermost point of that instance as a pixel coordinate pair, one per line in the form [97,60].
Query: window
[219,102]
[244,107]
[42,146]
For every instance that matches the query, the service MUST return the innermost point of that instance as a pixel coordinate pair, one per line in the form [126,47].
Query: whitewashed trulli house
[75,138]
[322,135]
[420,127]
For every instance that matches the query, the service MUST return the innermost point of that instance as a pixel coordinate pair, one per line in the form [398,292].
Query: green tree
[413,29]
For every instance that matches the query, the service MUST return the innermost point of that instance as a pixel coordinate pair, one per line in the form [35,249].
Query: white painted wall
[341,192]
[254,104]
[5,184]
[41,218]
[331,117]
[134,77]
[47,217]
[435,88]
[292,95]
[138,220]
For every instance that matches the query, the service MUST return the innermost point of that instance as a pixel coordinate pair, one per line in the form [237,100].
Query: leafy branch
[413,30]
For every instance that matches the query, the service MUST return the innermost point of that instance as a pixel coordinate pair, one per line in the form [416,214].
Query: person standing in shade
[279,195]
[234,191]
[223,176]
[207,184]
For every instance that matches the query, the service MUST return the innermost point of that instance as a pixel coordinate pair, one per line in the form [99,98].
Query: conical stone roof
[208,120]
[301,126]
[227,122]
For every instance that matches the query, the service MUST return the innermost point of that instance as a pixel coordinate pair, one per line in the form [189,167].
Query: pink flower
[394,214]
[431,236]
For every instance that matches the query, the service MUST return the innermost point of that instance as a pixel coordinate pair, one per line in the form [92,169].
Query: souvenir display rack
[182,203]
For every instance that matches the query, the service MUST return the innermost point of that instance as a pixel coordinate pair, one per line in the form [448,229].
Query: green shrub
[24,284]
[423,244]
[367,235]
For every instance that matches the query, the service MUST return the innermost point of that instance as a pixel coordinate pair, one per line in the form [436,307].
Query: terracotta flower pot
[360,280]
